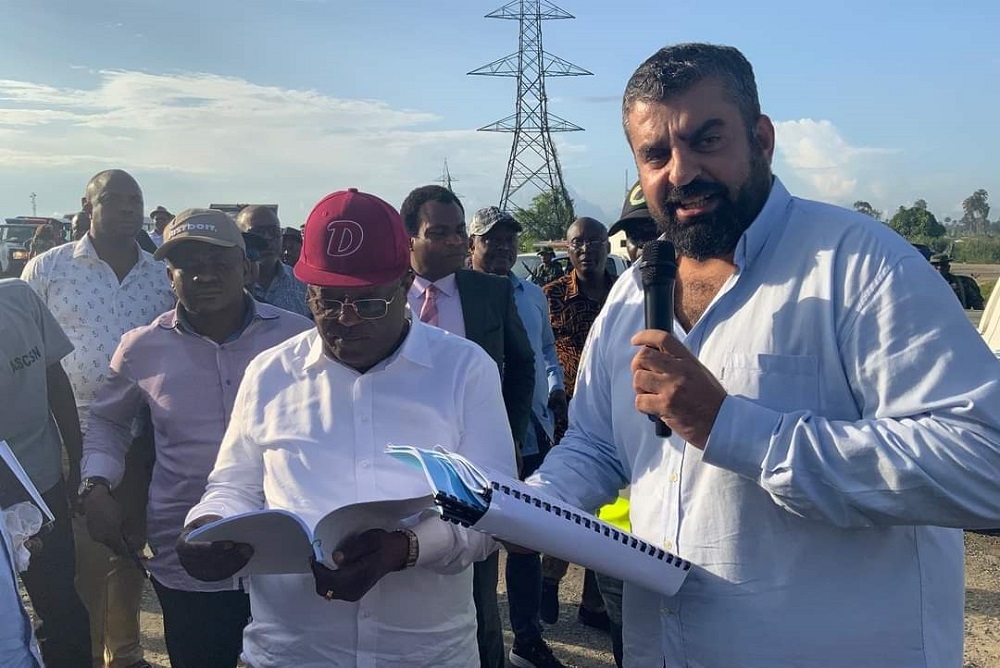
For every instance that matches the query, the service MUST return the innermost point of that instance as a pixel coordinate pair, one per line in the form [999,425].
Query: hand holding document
[283,543]
[516,513]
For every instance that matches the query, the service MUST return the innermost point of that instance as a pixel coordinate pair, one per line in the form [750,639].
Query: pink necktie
[429,310]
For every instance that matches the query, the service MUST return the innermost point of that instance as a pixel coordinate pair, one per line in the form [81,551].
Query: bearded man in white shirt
[308,434]
[826,431]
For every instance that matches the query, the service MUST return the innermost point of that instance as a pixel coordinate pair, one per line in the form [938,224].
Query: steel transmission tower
[533,157]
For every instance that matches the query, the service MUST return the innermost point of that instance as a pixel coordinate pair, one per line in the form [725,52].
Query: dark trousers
[611,592]
[524,582]
[203,629]
[489,630]
[64,628]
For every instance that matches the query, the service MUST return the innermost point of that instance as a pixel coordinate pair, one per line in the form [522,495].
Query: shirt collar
[771,218]
[447,285]
[515,281]
[415,348]
[573,286]
[85,248]
[177,319]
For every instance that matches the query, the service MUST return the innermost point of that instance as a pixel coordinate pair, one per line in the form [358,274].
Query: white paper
[283,543]
[588,542]
[521,523]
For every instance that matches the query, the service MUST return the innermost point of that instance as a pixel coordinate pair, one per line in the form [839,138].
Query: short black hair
[410,211]
[676,69]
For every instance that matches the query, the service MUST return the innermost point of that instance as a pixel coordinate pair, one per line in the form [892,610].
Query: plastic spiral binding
[465,514]
[460,512]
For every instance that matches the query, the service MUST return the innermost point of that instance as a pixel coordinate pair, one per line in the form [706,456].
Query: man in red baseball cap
[308,435]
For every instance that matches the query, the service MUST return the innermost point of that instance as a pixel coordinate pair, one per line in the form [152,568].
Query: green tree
[548,217]
[916,222]
[977,210]
[864,207]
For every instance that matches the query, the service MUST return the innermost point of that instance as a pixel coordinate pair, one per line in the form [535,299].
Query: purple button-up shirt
[190,383]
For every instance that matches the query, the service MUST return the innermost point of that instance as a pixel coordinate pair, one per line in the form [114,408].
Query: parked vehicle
[14,240]
[527,263]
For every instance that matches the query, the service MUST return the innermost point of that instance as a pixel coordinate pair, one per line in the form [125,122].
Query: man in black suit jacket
[481,308]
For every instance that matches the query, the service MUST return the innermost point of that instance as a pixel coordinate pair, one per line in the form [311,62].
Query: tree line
[973,238]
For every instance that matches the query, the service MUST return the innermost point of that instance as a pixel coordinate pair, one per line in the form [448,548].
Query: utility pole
[533,159]
[446,178]
[34,208]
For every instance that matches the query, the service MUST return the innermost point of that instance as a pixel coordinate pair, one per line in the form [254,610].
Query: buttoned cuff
[102,465]
[741,437]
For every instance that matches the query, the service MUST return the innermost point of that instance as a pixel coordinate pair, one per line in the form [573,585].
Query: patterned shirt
[572,314]
[94,309]
[285,291]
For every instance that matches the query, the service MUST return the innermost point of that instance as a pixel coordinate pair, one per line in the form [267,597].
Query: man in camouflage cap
[965,287]
[638,226]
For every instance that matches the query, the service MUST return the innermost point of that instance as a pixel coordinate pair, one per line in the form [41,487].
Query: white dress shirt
[308,435]
[862,407]
[94,309]
[449,304]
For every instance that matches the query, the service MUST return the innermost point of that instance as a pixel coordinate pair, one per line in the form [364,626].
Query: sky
[284,101]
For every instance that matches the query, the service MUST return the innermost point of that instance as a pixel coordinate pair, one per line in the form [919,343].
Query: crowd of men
[829,441]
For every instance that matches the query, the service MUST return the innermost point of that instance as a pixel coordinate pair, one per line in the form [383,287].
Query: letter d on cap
[345,238]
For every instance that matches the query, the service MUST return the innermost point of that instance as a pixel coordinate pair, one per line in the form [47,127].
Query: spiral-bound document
[512,511]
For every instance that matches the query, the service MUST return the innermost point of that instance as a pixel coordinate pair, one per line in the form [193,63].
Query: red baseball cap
[352,240]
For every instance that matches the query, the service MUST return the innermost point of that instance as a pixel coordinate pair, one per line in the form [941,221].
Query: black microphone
[658,268]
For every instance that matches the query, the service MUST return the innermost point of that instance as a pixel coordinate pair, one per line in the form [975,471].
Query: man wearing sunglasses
[309,431]
[186,368]
[275,282]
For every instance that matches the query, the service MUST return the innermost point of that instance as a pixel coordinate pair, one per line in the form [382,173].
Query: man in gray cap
[493,247]
[185,367]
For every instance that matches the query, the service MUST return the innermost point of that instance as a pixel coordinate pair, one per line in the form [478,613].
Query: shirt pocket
[781,382]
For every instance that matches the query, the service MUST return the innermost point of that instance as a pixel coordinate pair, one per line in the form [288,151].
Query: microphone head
[658,262]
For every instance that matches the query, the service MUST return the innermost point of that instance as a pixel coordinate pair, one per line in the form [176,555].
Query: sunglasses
[366,309]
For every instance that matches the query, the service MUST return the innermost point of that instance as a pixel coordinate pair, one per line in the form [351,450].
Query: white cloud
[213,137]
[825,164]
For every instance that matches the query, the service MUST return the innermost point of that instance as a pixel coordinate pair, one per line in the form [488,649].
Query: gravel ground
[579,646]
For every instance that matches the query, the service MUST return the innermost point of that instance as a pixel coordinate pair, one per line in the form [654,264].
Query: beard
[714,234]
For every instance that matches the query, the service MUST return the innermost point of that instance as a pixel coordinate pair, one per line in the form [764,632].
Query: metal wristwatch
[412,550]
[88,484]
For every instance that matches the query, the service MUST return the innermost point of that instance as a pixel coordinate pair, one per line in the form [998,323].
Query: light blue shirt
[533,308]
[863,407]
[17,639]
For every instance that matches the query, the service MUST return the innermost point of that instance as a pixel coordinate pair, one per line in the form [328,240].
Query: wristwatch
[88,484]
[412,550]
